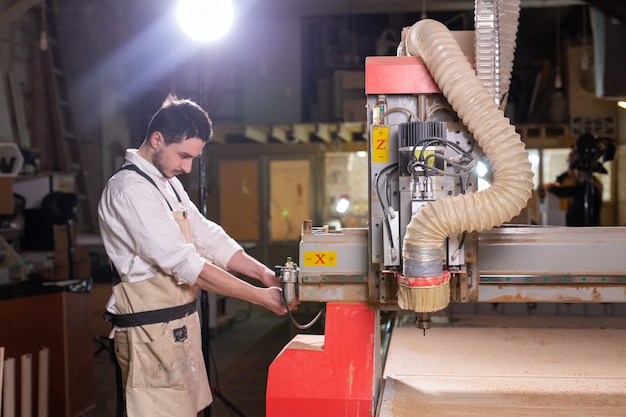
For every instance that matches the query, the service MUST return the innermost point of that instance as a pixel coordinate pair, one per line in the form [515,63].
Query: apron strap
[143,318]
[131,167]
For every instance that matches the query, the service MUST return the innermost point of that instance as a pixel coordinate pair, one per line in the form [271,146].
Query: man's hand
[269,279]
[274,300]
[214,279]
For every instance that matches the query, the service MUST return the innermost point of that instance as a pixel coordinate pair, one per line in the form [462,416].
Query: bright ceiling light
[205,20]
[622,104]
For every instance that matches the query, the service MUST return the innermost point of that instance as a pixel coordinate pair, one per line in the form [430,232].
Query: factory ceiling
[616,8]
[545,26]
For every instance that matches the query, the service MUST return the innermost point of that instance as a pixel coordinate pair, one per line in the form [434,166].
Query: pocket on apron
[158,364]
[122,352]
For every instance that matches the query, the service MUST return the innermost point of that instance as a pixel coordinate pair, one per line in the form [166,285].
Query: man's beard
[157,161]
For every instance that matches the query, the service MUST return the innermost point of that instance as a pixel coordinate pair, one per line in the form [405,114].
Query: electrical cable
[469,164]
[436,107]
[293,320]
[432,141]
[395,109]
[215,371]
[385,212]
[462,240]
[231,406]
[217,390]
[440,171]
[422,161]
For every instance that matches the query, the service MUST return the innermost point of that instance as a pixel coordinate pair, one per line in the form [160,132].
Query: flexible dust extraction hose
[502,145]
[495,31]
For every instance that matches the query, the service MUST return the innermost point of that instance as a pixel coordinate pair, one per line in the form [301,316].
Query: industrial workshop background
[285,88]
[285,85]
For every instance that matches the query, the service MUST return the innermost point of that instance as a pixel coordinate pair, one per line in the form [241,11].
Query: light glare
[483,184]
[342,205]
[205,20]
[481,169]
[534,159]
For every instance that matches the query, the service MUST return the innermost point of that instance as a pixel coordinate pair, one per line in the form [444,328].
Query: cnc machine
[434,238]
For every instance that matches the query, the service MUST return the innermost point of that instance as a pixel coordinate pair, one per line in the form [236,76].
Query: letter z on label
[380,143]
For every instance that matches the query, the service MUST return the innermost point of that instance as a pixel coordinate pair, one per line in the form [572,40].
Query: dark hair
[180,119]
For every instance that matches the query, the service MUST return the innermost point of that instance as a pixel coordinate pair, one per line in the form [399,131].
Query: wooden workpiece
[539,366]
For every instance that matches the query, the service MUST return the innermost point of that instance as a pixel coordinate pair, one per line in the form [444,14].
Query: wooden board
[495,371]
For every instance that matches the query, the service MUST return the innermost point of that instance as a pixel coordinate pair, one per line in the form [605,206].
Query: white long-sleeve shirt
[139,232]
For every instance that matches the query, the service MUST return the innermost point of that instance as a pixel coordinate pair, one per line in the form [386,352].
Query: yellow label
[425,156]
[380,144]
[320,258]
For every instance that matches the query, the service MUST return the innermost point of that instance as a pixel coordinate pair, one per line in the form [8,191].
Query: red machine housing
[327,375]
[334,374]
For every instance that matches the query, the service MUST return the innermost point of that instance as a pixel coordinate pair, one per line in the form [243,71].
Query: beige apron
[162,364]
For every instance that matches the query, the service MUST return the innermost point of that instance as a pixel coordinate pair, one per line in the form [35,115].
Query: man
[164,250]
[584,194]
[581,189]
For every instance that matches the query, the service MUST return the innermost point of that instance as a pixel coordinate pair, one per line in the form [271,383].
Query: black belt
[143,318]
